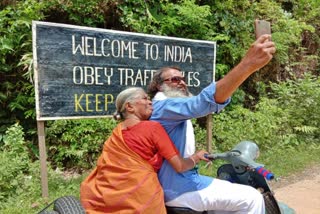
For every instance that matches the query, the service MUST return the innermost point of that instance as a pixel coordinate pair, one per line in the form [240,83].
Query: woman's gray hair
[124,97]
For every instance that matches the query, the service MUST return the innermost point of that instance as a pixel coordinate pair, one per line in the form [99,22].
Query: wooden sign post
[80,70]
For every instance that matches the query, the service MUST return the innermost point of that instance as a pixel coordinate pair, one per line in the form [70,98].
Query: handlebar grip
[210,157]
[265,173]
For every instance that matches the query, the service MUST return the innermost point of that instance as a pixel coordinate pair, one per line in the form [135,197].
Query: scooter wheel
[68,205]
[48,212]
[271,204]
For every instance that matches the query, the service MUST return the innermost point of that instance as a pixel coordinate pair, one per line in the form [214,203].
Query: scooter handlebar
[216,156]
[265,173]
[250,164]
[228,156]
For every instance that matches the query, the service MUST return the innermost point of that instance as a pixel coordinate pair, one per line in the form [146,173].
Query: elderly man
[174,106]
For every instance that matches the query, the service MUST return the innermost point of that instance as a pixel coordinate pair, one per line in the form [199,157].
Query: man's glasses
[175,79]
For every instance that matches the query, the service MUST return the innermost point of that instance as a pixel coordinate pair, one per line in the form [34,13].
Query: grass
[32,202]
[281,162]
[290,161]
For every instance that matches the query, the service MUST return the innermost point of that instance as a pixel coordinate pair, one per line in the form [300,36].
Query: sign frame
[38,64]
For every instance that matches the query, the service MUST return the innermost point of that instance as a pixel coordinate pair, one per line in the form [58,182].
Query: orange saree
[122,182]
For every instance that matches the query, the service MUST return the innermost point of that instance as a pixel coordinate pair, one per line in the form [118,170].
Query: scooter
[241,168]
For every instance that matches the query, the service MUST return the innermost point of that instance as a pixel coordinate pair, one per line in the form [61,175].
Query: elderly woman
[125,178]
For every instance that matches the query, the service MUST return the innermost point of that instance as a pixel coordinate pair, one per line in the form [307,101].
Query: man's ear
[159,87]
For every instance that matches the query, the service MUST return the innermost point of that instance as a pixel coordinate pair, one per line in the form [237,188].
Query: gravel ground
[300,191]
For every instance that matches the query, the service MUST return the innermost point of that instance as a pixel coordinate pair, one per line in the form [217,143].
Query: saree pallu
[122,182]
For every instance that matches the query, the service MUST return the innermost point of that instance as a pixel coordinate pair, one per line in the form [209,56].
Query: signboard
[80,70]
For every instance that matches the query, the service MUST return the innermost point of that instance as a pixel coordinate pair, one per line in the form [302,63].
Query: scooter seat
[183,210]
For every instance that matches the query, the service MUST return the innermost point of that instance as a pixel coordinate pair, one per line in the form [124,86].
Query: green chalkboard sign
[80,70]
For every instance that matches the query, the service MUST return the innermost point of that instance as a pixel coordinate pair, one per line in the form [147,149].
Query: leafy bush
[77,143]
[301,99]
[14,163]
[16,89]
[79,12]
[261,126]
[20,176]
[285,118]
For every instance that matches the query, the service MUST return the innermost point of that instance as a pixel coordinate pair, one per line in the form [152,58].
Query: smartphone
[261,27]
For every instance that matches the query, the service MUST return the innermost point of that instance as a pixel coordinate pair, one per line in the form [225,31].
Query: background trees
[274,98]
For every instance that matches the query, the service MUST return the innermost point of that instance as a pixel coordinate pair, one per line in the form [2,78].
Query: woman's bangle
[194,162]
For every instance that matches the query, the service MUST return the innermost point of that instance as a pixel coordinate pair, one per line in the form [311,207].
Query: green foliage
[77,143]
[287,118]
[20,177]
[295,26]
[230,23]
[184,19]
[187,18]
[29,194]
[14,163]
[301,99]
[16,90]
[234,20]
[136,15]
[200,135]
[242,124]
[307,10]
[30,201]
[79,12]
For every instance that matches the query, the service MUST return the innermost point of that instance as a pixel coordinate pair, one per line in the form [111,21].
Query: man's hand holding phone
[263,49]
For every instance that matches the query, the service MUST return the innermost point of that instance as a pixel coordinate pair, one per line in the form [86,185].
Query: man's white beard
[174,92]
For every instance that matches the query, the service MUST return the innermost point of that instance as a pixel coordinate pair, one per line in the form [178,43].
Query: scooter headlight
[248,149]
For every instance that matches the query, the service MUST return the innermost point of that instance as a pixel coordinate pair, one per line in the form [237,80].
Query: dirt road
[300,191]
